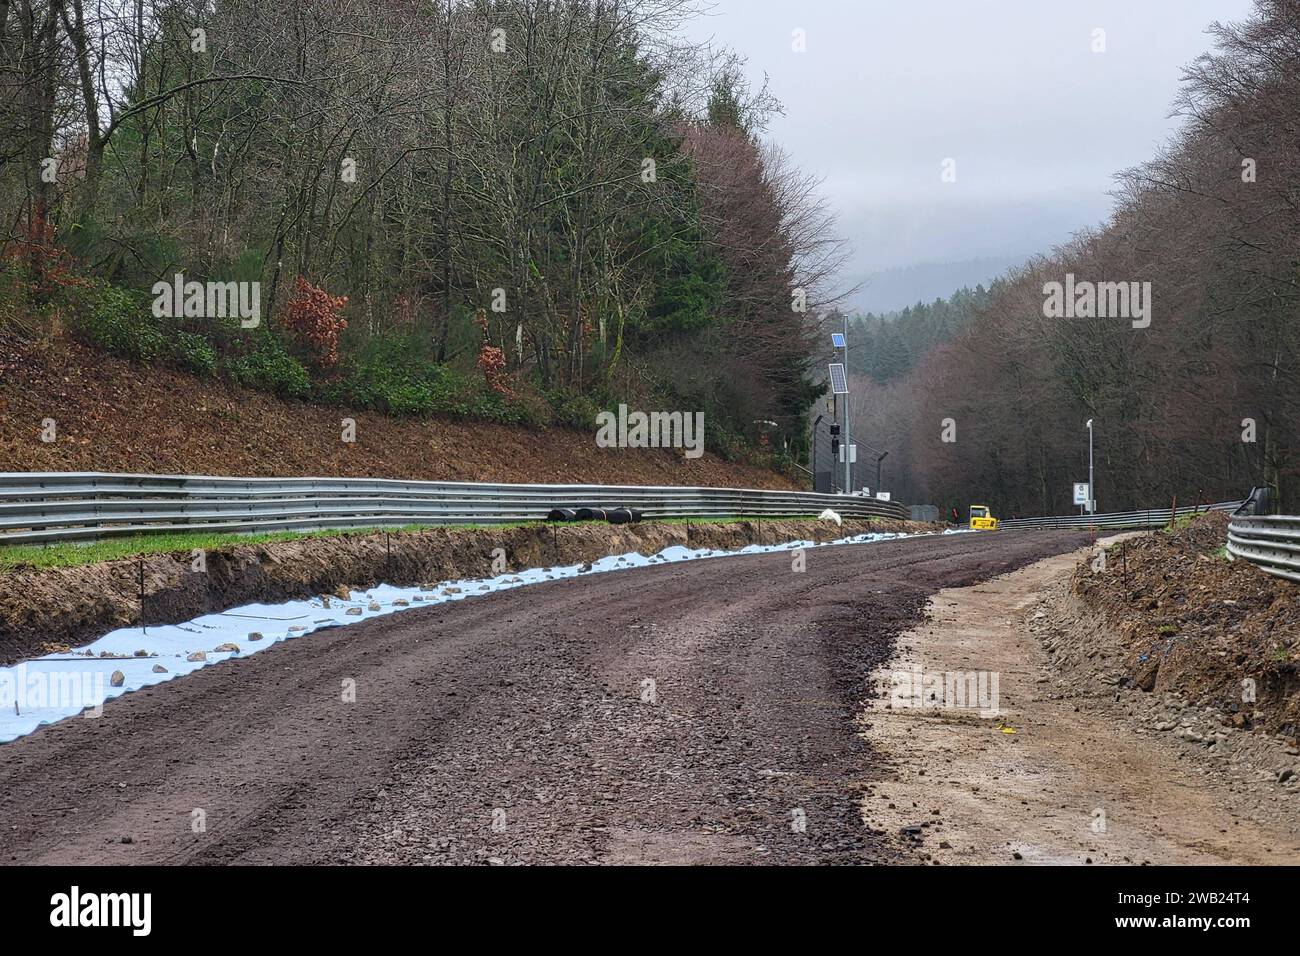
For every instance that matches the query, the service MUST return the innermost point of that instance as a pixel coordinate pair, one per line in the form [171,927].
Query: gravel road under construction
[699,712]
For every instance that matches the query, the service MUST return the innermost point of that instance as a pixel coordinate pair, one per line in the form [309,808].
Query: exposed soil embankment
[111,415]
[1056,765]
[1183,620]
[42,610]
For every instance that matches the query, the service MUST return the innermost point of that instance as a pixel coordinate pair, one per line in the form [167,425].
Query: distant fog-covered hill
[894,289]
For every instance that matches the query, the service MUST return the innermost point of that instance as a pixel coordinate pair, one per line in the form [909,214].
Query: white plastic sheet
[58,686]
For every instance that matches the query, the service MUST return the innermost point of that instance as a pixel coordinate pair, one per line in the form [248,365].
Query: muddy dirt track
[699,712]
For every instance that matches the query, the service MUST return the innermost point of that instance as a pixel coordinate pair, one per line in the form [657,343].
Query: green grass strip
[74,554]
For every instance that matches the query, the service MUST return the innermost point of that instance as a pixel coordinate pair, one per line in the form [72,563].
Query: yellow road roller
[981,519]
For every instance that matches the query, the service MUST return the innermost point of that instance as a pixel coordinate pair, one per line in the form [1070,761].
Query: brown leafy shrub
[314,322]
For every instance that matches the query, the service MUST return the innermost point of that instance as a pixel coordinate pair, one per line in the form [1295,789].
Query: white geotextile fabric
[57,686]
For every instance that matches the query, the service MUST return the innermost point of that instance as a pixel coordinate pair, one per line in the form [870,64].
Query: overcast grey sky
[1037,122]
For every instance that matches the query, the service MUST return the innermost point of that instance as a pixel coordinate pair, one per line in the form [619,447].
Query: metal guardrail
[38,507]
[1152,518]
[1271,542]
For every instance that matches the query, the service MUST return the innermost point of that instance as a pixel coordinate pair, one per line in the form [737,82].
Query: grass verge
[74,554]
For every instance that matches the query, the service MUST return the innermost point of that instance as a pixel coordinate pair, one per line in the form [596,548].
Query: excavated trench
[44,610]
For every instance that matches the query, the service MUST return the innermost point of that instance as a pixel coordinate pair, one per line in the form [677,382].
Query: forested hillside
[498,209]
[1202,403]
[888,347]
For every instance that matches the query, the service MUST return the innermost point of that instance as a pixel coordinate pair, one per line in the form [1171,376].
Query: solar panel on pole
[839,381]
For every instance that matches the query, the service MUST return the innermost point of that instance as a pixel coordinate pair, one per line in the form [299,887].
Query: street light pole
[1092,495]
[882,457]
[813,459]
[848,441]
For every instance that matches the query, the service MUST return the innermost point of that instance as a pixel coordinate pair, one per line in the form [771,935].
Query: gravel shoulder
[1076,767]
[702,712]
